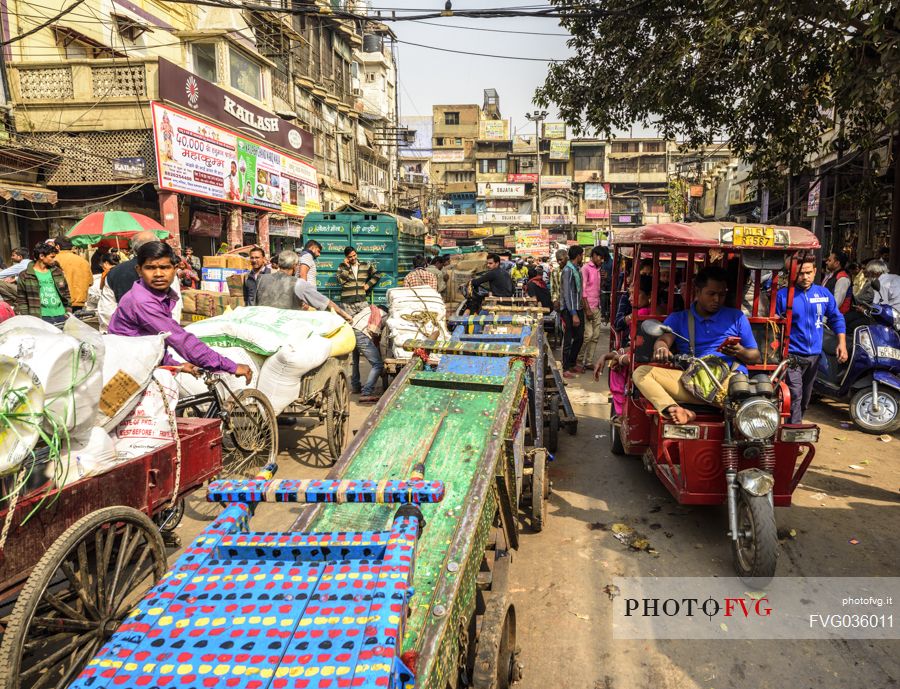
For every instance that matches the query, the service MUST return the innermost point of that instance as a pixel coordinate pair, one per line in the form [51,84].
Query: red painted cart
[69,575]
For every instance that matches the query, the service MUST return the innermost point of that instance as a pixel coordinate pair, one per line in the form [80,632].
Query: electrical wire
[478,28]
[465,52]
[59,15]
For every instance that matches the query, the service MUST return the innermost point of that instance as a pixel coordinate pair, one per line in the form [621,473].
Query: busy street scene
[466,346]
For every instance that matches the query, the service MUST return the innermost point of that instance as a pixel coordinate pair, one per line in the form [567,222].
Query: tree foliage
[772,77]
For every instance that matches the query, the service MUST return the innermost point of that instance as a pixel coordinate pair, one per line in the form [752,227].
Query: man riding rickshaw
[705,402]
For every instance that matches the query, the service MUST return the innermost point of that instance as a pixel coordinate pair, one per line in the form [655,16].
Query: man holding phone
[718,330]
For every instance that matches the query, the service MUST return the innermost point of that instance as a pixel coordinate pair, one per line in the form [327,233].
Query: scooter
[870,379]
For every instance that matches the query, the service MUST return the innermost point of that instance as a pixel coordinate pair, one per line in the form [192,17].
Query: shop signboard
[467,219]
[500,230]
[623,219]
[501,217]
[498,190]
[812,201]
[596,213]
[554,130]
[282,227]
[201,159]
[480,232]
[557,219]
[585,238]
[493,130]
[446,242]
[509,241]
[525,178]
[556,182]
[532,242]
[454,155]
[205,225]
[129,168]
[696,191]
[454,234]
[596,192]
[559,149]
[187,90]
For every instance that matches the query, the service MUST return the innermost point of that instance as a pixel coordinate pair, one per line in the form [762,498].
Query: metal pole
[537,143]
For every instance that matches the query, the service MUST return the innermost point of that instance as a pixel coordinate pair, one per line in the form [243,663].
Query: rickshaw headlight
[757,419]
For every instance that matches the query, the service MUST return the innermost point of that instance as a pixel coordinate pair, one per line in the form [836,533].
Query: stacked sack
[92,385]
[414,313]
[279,345]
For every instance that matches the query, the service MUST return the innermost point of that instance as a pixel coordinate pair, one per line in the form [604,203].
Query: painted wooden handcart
[325,397]
[70,573]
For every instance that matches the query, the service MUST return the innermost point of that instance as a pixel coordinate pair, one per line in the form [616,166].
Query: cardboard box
[217,286]
[238,262]
[236,284]
[189,300]
[215,261]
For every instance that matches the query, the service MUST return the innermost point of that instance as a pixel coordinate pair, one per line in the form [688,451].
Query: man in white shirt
[310,253]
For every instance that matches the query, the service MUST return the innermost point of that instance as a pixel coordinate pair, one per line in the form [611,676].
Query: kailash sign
[203,97]
[198,158]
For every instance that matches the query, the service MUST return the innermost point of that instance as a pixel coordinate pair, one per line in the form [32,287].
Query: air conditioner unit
[594,175]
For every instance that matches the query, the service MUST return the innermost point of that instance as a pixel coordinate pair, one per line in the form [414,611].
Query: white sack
[263,329]
[68,369]
[412,301]
[281,374]
[149,420]
[128,367]
[90,457]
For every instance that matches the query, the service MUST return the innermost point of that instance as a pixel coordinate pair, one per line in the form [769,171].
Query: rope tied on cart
[173,423]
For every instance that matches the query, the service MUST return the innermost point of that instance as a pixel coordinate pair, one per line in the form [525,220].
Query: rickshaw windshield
[759,260]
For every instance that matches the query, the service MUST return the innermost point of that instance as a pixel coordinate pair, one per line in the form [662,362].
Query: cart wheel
[615,438]
[539,489]
[496,665]
[552,440]
[337,415]
[572,427]
[250,434]
[77,595]
[169,518]
[755,550]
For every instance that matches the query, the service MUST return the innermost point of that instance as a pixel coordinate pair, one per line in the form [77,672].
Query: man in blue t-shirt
[813,305]
[713,325]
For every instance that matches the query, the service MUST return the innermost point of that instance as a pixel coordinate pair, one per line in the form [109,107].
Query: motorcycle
[870,378]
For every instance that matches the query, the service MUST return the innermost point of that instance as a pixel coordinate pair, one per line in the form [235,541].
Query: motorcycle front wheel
[886,420]
[755,550]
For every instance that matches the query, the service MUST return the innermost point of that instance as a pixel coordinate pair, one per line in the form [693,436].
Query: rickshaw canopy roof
[710,235]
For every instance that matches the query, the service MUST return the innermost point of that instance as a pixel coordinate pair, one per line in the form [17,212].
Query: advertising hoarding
[493,130]
[559,149]
[524,178]
[556,182]
[454,155]
[812,201]
[495,216]
[498,190]
[557,219]
[553,130]
[596,213]
[532,242]
[596,192]
[201,159]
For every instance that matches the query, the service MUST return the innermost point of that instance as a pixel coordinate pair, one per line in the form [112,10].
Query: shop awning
[25,192]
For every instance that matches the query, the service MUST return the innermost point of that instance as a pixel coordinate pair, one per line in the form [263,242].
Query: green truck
[389,240]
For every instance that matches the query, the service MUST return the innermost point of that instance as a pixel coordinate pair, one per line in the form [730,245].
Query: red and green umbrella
[119,224]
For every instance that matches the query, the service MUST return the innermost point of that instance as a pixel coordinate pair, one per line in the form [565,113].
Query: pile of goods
[463,268]
[280,346]
[414,313]
[82,401]
[221,287]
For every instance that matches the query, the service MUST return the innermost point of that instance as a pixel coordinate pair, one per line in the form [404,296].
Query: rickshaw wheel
[615,439]
[502,670]
[887,421]
[250,434]
[551,442]
[756,549]
[77,595]
[538,490]
[337,415]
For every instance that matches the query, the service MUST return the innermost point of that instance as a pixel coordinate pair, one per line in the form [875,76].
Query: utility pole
[538,116]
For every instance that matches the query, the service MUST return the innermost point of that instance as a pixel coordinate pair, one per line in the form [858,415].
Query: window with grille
[451,118]
[558,168]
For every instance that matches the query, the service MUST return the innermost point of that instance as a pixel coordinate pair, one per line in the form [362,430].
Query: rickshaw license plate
[754,236]
[889,352]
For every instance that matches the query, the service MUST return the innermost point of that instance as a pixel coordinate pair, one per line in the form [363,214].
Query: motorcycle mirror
[655,328]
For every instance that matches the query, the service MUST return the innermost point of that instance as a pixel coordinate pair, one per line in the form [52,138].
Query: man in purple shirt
[146,309]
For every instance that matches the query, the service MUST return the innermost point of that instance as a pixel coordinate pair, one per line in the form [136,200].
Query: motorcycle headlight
[757,419]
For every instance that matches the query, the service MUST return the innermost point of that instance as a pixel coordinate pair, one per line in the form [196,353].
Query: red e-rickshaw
[744,454]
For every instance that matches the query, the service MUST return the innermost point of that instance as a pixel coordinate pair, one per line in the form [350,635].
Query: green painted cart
[467,430]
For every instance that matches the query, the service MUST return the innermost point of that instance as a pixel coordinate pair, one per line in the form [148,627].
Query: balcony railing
[83,80]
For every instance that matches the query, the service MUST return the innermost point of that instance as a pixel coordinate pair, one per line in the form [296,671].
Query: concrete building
[293,89]
[455,129]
